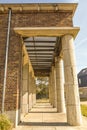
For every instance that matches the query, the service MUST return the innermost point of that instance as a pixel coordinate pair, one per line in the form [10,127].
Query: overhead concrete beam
[46,31]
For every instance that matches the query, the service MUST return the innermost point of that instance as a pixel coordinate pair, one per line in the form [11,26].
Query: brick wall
[45,19]
[14,63]
[25,19]
[14,71]
[3,32]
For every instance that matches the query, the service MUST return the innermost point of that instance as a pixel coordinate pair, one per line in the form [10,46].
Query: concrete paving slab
[44,128]
[46,118]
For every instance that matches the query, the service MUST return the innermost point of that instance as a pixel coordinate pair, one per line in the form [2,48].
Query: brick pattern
[14,71]
[45,19]
[25,19]
[14,65]
[3,32]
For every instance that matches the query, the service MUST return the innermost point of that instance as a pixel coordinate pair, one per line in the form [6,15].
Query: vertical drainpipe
[6,60]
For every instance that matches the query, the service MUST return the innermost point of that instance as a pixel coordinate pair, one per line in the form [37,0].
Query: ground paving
[44,117]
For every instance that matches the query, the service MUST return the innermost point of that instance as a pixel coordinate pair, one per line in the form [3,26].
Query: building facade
[82,81]
[39,24]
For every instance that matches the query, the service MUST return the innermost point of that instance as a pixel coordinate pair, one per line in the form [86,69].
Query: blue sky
[37,1]
[80,19]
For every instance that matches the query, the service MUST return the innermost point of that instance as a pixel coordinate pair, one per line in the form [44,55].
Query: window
[79,81]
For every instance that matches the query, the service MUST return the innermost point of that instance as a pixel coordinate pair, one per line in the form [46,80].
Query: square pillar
[30,90]
[34,90]
[25,89]
[51,89]
[54,87]
[60,84]
[71,83]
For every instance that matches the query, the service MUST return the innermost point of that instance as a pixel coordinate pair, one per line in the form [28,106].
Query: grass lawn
[84,110]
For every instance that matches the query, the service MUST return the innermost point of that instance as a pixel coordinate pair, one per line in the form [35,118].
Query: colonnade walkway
[44,117]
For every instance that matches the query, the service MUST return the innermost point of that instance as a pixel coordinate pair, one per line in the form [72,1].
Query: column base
[25,109]
[30,101]
[73,116]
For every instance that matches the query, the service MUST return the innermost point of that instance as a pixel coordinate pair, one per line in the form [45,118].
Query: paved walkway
[84,103]
[44,117]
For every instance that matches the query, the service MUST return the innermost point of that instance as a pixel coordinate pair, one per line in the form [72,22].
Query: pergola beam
[44,54]
[39,41]
[40,56]
[40,44]
[29,50]
[41,60]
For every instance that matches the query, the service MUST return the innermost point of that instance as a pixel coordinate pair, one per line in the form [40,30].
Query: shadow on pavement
[44,124]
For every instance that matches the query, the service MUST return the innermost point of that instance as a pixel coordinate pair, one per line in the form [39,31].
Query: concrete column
[25,89]
[34,91]
[60,84]
[54,87]
[71,83]
[30,90]
[51,91]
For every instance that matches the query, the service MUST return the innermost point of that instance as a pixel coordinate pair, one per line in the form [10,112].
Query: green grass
[5,123]
[84,110]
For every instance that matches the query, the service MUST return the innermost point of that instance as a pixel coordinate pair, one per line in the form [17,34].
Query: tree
[42,87]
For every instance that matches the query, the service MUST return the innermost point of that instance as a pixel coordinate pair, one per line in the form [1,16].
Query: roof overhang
[40,7]
[46,31]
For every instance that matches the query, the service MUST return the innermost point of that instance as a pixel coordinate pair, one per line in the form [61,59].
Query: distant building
[82,81]
[82,78]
